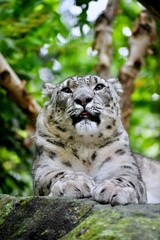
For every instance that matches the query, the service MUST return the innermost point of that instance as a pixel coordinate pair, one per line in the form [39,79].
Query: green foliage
[15,159]
[42,35]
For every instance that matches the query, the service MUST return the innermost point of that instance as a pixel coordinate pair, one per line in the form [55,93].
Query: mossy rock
[69,219]
[40,217]
[137,222]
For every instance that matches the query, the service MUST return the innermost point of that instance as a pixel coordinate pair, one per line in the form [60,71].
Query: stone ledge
[69,219]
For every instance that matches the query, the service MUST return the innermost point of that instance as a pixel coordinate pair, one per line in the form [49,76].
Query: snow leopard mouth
[85,116]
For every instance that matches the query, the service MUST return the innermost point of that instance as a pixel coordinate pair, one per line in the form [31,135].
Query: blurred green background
[50,40]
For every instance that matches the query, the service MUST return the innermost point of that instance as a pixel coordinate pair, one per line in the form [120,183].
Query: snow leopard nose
[83,100]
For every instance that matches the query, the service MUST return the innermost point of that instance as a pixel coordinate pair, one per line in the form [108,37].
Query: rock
[68,219]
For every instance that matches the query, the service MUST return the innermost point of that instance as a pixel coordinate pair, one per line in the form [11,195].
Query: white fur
[90,159]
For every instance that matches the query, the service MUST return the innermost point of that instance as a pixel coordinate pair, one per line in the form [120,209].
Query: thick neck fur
[62,129]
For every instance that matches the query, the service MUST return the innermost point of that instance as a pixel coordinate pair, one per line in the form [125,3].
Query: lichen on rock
[40,217]
[69,219]
[122,222]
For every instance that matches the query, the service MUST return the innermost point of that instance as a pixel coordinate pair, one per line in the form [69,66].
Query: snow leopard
[83,150]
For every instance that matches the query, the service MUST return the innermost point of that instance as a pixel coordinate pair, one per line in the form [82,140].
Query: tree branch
[17,92]
[103,38]
[143,35]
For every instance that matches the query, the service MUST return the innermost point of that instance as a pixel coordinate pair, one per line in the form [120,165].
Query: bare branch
[143,35]
[17,92]
[103,38]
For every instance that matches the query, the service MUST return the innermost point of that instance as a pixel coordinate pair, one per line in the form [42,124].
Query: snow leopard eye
[66,90]
[99,86]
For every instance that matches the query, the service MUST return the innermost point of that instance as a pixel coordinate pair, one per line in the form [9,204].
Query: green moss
[5,211]
[81,210]
[45,233]
[42,217]
[65,219]
[112,224]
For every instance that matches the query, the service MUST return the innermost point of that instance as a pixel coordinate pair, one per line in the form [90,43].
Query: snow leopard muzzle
[86,116]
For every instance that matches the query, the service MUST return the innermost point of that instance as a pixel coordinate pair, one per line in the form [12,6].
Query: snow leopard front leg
[72,185]
[120,190]
[54,177]
[125,187]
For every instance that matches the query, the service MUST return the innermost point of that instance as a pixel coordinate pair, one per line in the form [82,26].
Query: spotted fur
[82,149]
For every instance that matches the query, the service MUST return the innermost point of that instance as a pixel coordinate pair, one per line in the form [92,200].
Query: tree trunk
[143,35]
[17,92]
[103,38]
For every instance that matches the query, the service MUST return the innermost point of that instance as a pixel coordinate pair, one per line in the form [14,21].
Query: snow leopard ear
[116,84]
[47,89]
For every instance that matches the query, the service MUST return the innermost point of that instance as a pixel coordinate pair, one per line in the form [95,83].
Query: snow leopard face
[86,104]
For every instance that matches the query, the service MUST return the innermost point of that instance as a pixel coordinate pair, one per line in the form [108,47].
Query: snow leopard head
[87,105]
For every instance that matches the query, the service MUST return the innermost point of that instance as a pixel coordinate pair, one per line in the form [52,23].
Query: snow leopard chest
[94,161]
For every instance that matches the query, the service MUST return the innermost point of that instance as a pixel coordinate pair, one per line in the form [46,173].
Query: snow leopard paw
[109,192]
[73,185]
